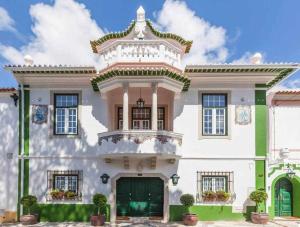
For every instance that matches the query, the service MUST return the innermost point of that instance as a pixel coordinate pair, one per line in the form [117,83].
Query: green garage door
[140,197]
[283,198]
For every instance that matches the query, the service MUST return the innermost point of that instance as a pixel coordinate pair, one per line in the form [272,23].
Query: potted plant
[99,201]
[70,195]
[28,202]
[209,196]
[57,194]
[222,196]
[259,217]
[187,200]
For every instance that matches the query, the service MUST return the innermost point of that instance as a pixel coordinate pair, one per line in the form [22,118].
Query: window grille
[214,181]
[65,180]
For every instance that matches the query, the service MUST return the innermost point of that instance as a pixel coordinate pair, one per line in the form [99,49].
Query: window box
[64,185]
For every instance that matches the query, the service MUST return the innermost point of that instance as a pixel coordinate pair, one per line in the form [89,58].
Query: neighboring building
[131,129]
[284,153]
[9,116]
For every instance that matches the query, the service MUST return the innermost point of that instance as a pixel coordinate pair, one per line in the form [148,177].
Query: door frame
[165,179]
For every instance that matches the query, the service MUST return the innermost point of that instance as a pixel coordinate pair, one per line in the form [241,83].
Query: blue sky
[234,29]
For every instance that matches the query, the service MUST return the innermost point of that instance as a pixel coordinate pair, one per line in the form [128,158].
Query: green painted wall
[260,123]
[260,139]
[209,213]
[67,212]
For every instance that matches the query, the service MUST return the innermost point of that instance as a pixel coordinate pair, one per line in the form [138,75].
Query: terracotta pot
[190,219]
[97,220]
[28,219]
[259,218]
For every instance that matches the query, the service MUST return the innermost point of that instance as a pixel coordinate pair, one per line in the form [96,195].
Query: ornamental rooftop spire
[140,14]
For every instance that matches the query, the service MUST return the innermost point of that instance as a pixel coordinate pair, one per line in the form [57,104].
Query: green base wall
[66,212]
[210,213]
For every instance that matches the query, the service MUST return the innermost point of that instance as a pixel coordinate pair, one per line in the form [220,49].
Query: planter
[190,219]
[97,220]
[259,218]
[28,219]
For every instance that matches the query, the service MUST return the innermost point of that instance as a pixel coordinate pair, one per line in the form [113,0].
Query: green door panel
[283,198]
[139,196]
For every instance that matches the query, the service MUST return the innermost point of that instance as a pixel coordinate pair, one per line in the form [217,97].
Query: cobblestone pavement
[279,223]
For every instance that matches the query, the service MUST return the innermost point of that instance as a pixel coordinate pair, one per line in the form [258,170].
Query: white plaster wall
[93,120]
[187,120]
[8,144]
[285,131]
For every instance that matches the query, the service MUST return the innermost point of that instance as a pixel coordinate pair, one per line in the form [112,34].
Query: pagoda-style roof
[139,26]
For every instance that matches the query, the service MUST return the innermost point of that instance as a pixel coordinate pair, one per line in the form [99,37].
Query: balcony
[124,144]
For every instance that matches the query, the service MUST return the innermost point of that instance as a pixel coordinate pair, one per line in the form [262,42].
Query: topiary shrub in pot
[28,202]
[187,200]
[99,201]
[259,217]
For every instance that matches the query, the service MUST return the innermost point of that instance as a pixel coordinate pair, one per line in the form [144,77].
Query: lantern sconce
[175,179]
[104,178]
[290,172]
[15,97]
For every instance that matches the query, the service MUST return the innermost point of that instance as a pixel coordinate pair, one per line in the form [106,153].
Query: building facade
[143,130]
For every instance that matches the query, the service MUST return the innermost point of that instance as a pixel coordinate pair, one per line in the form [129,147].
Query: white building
[141,121]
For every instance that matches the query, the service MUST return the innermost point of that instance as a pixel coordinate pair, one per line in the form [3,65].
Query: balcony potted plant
[69,195]
[28,202]
[259,217]
[57,194]
[222,196]
[187,200]
[99,201]
[209,196]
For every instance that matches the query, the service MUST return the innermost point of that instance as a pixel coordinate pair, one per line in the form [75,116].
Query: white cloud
[208,40]
[249,58]
[61,35]
[6,22]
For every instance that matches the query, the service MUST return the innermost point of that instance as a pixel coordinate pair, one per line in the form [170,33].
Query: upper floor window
[214,114]
[66,113]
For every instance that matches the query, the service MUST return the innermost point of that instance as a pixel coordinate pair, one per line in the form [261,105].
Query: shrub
[187,200]
[100,202]
[259,196]
[28,201]
[222,196]
[209,196]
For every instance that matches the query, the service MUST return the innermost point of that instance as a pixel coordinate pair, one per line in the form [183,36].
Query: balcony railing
[140,141]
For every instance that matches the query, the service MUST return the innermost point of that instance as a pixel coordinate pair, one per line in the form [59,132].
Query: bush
[100,202]
[187,200]
[222,196]
[258,196]
[209,196]
[28,201]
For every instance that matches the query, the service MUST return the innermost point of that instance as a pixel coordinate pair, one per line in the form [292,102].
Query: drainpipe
[22,146]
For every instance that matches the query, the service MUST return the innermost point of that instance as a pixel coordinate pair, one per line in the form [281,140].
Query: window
[66,180]
[214,111]
[161,118]
[141,118]
[66,113]
[214,181]
[120,118]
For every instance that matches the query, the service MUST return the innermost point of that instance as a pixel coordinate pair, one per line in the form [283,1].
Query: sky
[231,31]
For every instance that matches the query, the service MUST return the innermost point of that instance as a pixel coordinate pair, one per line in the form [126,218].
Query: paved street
[282,223]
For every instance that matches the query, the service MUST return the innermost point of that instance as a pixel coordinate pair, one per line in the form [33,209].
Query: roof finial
[28,60]
[140,14]
[256,58]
